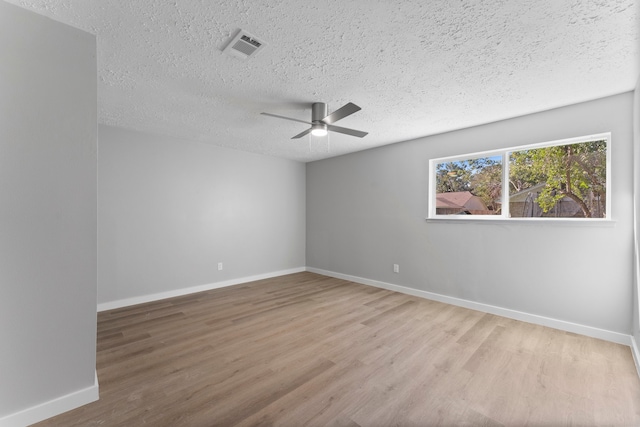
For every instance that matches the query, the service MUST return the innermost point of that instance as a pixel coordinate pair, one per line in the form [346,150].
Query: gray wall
[367,211]
[47,209]
[170,210]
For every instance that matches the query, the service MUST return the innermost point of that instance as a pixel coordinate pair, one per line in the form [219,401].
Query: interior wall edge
[636,353]
[48,219]
[127,302]
[53,407]
[636,212]
[562,325]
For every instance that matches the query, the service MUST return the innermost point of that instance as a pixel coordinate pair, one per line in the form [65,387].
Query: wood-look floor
[308,350]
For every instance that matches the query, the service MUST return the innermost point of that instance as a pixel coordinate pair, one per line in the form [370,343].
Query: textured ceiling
[415,67]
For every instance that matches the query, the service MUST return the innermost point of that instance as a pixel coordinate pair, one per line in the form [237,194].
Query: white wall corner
[562,325]
[53,407]
[636,225]
[636,354]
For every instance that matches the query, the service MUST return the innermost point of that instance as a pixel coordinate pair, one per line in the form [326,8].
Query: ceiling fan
[322,122]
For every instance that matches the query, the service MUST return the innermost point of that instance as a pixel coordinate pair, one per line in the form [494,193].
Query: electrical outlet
[396,268]
[219,266]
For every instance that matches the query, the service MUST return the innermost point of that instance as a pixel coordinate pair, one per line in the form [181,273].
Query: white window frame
[505,154]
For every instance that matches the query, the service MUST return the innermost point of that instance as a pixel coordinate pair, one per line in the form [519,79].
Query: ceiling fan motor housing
[319,111]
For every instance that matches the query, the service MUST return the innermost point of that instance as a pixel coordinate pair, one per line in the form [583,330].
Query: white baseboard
[636,353]
[53,407]
[185,291]
[486,308]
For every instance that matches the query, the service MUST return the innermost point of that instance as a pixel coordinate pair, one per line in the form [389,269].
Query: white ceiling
[415,67]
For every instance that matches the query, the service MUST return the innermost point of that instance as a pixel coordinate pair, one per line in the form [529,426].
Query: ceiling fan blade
[347,131]
[341,113]
[301,134]
[286,118]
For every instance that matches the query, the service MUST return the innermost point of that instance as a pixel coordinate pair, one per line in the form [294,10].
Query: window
[562,179]
[469,186]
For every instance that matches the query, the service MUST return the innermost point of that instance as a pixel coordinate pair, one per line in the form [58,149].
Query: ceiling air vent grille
[244,45]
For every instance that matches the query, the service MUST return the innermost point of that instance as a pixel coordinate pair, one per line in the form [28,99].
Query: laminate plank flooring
[309,350]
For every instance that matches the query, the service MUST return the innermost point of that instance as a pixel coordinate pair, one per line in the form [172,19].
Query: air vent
[244,45]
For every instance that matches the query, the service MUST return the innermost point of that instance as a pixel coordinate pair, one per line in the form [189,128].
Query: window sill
[554,222]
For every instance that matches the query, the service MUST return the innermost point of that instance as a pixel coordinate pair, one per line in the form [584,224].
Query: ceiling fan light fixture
[322,122]
[319,129]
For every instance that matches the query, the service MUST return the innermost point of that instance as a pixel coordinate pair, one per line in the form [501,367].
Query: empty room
[256,213]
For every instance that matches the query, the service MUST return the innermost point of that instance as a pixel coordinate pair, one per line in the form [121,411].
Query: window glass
[562,181]
[469,187]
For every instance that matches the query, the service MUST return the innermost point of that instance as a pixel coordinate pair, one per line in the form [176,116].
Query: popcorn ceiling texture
[416,68]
